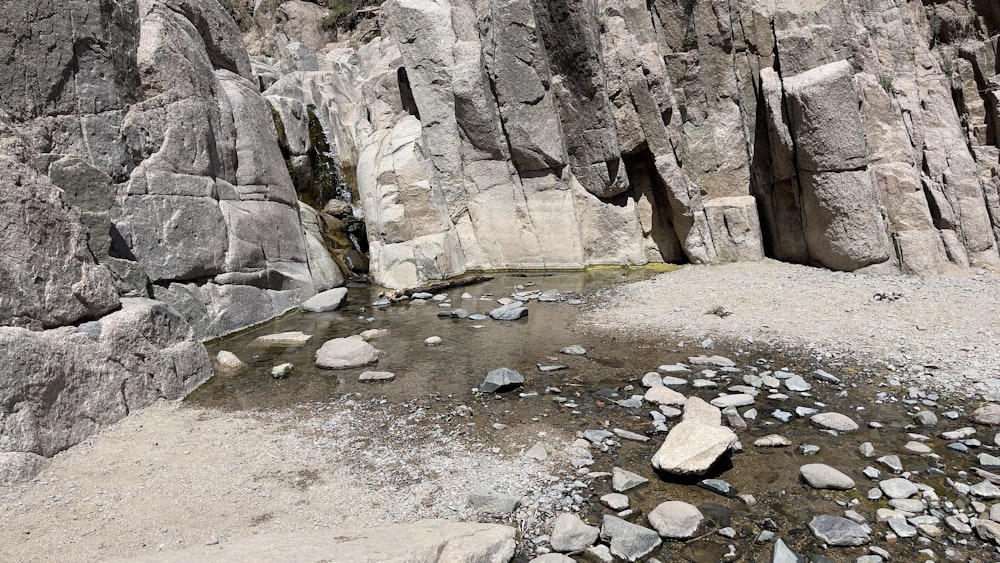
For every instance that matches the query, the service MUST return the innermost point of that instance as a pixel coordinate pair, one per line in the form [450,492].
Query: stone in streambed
[281,371]
[628,541]
[346,353]
[675,519]
[228,361]
[501,379]
[988,415]
[570,533]
[822,476]
[692,447]
[834,421]
[662,395]
[376,376]
[510,312]
[293,338]
[839,532]
[623,480]
[329,300]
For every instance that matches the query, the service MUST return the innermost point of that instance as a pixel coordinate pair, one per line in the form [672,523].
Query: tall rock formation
[548,134]
[145,206]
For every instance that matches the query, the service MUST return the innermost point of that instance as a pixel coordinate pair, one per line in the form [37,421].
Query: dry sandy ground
[172,476]
[939,331]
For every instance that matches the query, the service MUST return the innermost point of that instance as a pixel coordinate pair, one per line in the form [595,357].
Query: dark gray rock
[509,312]
[500,380]
[838,532]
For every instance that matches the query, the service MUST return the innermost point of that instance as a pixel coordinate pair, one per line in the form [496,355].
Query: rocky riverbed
[666,428]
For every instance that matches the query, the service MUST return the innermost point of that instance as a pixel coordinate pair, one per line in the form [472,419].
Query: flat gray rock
[346,353]
[734,400]
[553,558]
[662,395]
[227,361]
[822,476]
[783,554]
[691,447]
[898,487]
[673,369]
[376,376]
[628,541]
[615,501]
[329,300]
[492,502]
[570,533]
[509,312]
[622,480]
[834,421]
[574,350]
[293,338]
[675,519]
[717,361]
[988,414]
[501,379]
[838,532]
[796,383]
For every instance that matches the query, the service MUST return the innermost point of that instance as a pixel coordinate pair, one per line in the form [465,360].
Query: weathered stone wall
[531,134]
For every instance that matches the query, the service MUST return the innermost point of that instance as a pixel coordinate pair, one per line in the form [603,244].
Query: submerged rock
[329,300]
[509,312]
[675,519]
[839,532]
[345,353]
[628,541]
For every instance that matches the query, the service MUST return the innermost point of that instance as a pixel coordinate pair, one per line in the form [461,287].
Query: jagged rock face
[149,118]
[543,134]
[137,160]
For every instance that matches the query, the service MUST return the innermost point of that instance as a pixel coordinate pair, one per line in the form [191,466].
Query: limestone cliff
[560,133]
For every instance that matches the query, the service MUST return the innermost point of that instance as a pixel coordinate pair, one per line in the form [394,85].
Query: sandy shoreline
[940,331]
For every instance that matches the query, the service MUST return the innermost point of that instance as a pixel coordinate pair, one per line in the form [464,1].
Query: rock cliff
[550,134]
[145,206]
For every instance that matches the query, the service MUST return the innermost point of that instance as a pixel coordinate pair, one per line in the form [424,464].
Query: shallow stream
[588,391]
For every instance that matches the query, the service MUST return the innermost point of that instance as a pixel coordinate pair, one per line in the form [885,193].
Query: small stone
[822,476]
[834,421]
[673,369]
[329,300]
[772,441]
[927,419]
[281,371]
[294,338]
[783,554]
[376,376]
[675,519]
[622,480]
[734,400]
[827,377]
[957,525]
[570,533]
[867,449]
[492,502]
[988,461]
[662,395]
[988,415]
[901,528]
[574,350]
[692,446]
[627,435]
[717,361]
[783,416]
[985,490]
[652,379]
[719,486]
[628,541]
[838,532]
[228,361]
[892,462]
[916,448]
[898,488]
[911,505]
[796,383]
[537,452]
[432,340]
[615,501]
[373,333]
[809,449]
[501,379]
[546,368]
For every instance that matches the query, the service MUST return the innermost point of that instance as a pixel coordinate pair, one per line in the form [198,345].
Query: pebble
[628,541]
[796,383]
[281,371]
[719,486]
[673,369]
[501,379]
[574,350]
[898,487]
[570,533]
[914,447]
[892,462]
[735,400]
[675,519]
[866,449]
[627,435]
[837,531]
[432,340]
[772,441]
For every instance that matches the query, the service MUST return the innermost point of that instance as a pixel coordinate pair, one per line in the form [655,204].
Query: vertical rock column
[842,226]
